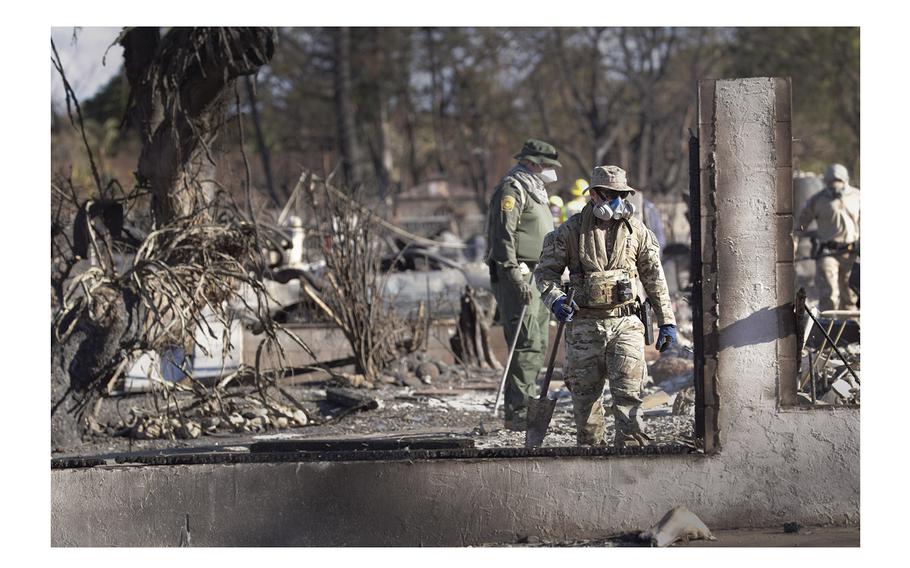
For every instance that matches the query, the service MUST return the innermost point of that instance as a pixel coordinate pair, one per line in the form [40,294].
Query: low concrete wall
[457,502]
[773,464]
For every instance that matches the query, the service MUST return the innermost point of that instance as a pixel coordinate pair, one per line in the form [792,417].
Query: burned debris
[829,369]
[233,377]
[183,309]
[340,313]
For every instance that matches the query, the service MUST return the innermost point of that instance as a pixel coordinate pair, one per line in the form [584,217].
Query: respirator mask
[837,187]
[616,209]
[547,176]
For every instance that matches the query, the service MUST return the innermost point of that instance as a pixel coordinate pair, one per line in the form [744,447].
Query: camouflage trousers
[601,350]
[832,274]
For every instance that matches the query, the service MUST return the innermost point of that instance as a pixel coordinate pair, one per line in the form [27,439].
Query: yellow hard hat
[556,200]
[579,187]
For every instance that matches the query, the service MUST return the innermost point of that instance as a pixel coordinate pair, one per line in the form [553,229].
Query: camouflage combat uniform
[604,345]
[518,218]
[837,216]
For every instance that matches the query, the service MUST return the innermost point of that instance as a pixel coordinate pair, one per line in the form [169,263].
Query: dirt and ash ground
[455,401]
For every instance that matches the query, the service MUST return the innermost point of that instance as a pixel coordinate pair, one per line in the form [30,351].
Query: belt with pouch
[832,246]
[603,313]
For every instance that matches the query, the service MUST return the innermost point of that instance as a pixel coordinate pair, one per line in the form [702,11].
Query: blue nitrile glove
[666,337]
[562,311]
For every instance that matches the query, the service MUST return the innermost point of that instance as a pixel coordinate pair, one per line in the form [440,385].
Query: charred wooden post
[471,342]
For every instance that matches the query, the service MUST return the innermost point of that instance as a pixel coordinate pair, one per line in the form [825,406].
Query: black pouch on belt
[644,314]
[622,292]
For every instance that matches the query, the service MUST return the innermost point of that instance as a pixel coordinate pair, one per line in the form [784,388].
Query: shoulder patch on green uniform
[507,203]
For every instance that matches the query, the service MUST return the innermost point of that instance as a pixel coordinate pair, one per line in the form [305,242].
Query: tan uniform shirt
[837,217]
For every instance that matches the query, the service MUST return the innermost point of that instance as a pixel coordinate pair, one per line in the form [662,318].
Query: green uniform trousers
[530,350]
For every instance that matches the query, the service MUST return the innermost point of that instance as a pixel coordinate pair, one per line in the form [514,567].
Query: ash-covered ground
[457,401]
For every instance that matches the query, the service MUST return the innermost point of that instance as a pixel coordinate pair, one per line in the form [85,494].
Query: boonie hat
[610,177]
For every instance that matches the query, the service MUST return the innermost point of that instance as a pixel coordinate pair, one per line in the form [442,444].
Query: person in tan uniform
[835,209]
[607,251]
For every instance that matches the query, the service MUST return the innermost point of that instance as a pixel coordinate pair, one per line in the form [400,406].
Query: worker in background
[558,210]
[835,209]
[647,213]
[579,199]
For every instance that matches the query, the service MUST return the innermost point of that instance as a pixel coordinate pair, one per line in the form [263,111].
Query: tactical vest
[605,290]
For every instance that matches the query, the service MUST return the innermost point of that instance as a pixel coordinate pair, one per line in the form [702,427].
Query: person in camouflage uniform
[517,220]
[607,250]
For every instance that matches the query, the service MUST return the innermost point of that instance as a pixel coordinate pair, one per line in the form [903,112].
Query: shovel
[540,410]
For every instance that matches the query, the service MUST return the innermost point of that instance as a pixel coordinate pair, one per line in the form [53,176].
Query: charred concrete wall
[772,464]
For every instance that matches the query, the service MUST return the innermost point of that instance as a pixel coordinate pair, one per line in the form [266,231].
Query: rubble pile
[829,367]
[671,389]
[669,366]
[416,370]
[247,415]
[833,381]
[419,395]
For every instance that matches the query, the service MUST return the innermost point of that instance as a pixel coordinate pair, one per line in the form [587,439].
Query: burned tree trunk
[344,109]
[179,95]
[471,341]
[178,87]
[261,143]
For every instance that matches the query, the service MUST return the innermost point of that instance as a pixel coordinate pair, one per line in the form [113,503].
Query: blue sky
[82,61]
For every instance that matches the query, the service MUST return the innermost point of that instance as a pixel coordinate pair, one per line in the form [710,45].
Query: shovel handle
[545,387]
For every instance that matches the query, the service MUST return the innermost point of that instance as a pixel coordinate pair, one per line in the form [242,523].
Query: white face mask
[617,208]
[547,176]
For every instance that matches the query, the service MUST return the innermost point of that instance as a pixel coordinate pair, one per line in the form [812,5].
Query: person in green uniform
[518,218]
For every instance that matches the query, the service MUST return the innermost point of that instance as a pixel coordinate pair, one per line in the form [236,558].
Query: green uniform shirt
[518,219]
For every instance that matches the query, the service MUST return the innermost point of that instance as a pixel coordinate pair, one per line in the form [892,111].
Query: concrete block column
[747,247]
